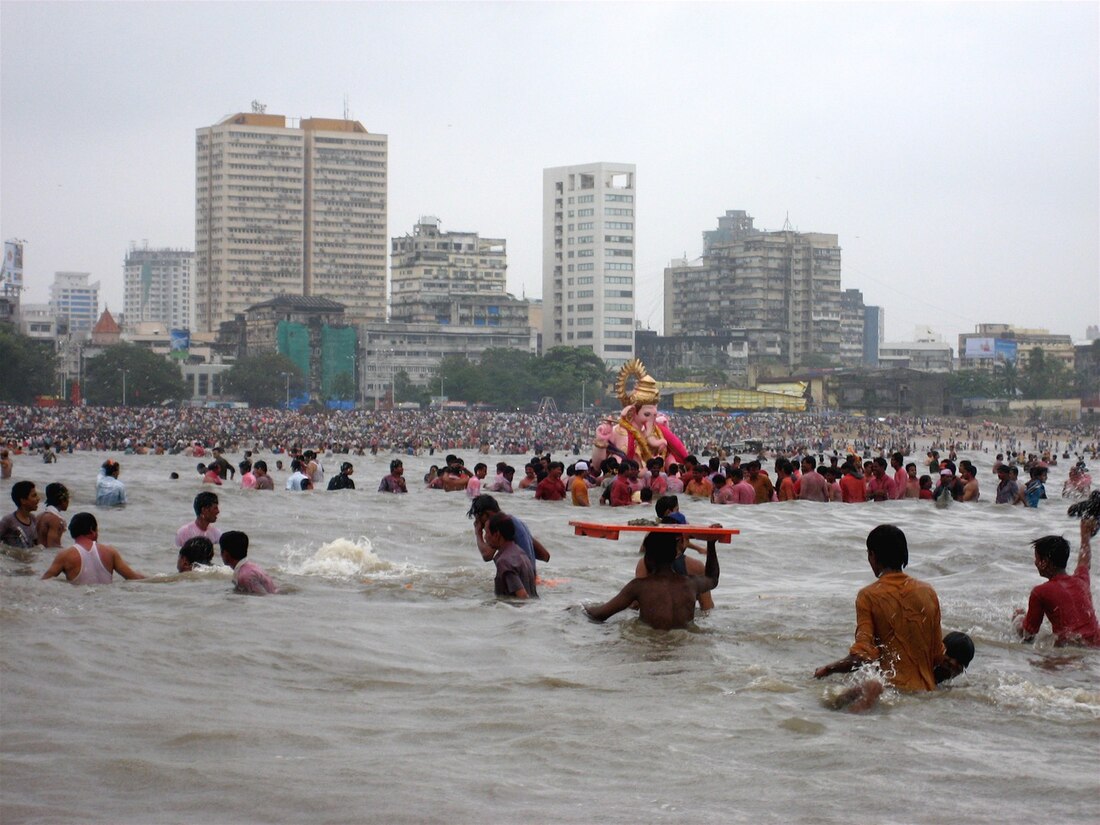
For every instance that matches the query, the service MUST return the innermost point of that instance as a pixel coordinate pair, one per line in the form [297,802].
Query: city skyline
[927,137]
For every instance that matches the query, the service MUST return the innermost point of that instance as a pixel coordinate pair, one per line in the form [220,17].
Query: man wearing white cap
[578,487]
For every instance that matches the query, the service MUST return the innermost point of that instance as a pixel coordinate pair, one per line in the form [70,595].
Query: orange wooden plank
[611,531]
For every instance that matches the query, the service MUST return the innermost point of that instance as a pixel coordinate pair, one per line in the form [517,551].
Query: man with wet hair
[87,561]
[51,524]
[197,550]
[342,480]
[20,528]
[482,509]
[666,599]
[515,572]
[206,513]
[1064,599]
[248,577]
[897,619]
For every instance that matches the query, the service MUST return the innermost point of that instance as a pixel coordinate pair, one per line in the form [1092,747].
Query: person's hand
[822,672]
[1088,528]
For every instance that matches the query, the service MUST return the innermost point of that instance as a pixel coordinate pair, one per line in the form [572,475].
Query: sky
[954,149]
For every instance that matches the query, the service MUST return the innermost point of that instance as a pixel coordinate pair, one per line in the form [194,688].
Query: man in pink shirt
[248,577]
[744,493]
[901,477]
[879,485]
[812,486]
[206,513]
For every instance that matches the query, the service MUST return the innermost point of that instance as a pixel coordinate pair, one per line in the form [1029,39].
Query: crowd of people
[817,458]
[52,430]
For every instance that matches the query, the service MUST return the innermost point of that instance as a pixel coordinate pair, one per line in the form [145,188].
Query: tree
[564,373]
[27,367]
[261,380]
[405,390]
[1046,377]
[973,384]
[343,387]
[149,378]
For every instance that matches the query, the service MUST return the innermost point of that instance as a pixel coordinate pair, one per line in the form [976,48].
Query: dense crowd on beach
[356,432]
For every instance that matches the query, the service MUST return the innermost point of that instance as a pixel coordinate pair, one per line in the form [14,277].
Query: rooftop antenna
[346,106]
[787,224]
[258,108]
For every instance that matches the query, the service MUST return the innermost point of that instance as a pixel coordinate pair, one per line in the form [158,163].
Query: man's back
[666,600]
[813,487]
[1067,601]
[898,621]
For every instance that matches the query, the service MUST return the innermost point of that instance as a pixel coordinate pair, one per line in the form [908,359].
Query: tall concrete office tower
[588,258]
[296,210]
[159,287]
[76,300]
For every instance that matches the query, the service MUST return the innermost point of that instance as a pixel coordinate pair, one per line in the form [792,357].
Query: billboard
[980,347]
[12,273]
[179,339]
[990,348]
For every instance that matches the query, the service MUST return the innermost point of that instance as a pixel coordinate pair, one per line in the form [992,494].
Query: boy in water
[87,561]
[666,599]
[1066,600]
[897,618]
[198,550]
[248,577]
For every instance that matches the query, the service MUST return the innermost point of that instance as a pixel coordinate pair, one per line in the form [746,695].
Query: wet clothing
[1007,491]
[853,488]
[15,533]
[898,624]
[109,491]
[249,577]
[1067,601]
[578,489]
[550,489]
[1034,491]
[92,570]
[192,529]
[392,484]
[514,571]
[813,487]
[341,481]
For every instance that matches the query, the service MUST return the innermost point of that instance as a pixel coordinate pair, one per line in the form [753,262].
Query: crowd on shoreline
[418,432]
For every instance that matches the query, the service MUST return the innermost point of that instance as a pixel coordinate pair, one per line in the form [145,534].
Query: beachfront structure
[418,348]
[780,288]
[75,300]
[991,344]
[158,287]
[588,254]
[699,356]
[295,209]
[451,278]
[923,356]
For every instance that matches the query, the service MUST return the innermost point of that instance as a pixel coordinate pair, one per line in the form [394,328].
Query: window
[585,239]
[583,322]
[585,199]
[617,334]
[618,239]
[613,321]
[584,307]
[585,280]
[585,253]
[619,198]
[617,279]
[619,307]
[618,293]
[585,267]
[585,293]
[583,226]
[629,213]
[619,268]
[584,213]
[619,253]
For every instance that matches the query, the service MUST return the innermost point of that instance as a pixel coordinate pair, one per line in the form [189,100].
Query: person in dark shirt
[515,573]
[342,480]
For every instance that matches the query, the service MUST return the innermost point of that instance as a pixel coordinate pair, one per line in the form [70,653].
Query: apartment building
[588,254]
[158,287]
[781,288]
[454,278]
[289,209]
[75,301]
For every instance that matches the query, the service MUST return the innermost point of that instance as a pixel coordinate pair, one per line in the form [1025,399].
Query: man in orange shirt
[853,487]
[897,619]
[578,487]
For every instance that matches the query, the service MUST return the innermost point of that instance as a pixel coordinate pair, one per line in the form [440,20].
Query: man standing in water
[51,524]
[20,529]
[88,562]
[897,619]
[666,599]
[206,513]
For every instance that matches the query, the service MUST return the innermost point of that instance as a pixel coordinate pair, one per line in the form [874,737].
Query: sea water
[387,683]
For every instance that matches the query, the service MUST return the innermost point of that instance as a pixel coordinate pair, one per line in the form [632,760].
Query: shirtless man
[88,562]
[666,599]
[51,524]
[970,481]
[5,465]
[20,529]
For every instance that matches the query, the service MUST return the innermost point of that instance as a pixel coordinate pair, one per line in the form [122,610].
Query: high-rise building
[158,287]
[451,278]
[861,330]
[782,288]
[289,210]
[75,300]
[588,258]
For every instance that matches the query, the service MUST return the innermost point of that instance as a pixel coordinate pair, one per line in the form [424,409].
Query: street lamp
[286,375]
[584,386]
[123,386]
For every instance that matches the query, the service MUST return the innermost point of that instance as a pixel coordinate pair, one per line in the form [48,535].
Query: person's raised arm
[709,579]
[845,665]
[1084,555]
[620,602]
[483,547]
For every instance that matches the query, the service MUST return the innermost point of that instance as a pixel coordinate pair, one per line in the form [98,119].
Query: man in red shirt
[552,488]
[852,486]
[1066,600]
[622,488]
[879,485]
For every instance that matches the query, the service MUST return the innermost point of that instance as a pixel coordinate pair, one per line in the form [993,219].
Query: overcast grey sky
[952,147]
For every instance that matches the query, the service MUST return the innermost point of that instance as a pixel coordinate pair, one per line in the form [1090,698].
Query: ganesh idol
[640,433]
